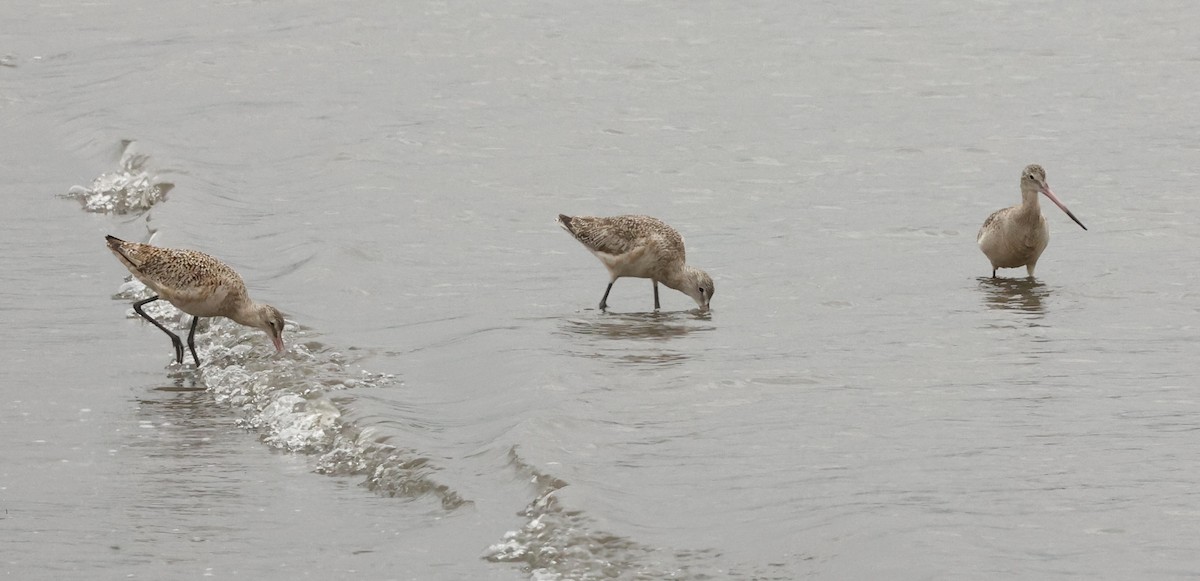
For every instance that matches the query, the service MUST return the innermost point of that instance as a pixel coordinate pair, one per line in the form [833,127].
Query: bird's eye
[701,290]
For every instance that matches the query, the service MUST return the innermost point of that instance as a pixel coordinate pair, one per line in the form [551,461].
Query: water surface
[862,402]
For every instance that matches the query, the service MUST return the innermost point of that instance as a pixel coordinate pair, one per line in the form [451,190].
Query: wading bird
[1016,236]
[640,247]
[198,285]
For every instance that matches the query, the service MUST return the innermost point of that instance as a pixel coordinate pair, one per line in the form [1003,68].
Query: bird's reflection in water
[1023,295]
[180,404]
[637,338]
[650,325]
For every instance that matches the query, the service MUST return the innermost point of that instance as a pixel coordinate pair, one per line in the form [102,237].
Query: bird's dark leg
[176,342]
[604,299]
[192,341]
[656,305]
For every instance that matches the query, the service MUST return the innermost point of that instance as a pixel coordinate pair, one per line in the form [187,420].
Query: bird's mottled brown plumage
[618,235]
[642,247]
[189,279]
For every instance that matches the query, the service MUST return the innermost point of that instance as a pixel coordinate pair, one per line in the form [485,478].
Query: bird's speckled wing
[991,222]
[173,270]
[618,235]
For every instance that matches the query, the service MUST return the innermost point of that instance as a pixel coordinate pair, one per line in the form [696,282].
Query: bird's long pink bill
[278,341]
[1062,206]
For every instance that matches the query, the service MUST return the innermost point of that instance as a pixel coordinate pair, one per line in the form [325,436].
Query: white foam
[128,190]
[557,543]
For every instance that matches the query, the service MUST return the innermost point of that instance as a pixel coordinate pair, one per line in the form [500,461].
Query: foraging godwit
[198,285]
[1016,236]
[641,247]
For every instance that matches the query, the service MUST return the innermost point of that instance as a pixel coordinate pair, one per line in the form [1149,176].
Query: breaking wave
[129,190]
[557,543]
[288,399]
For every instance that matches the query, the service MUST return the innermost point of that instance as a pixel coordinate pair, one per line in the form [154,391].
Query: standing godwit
[641,247]
[1016,236]
[198,285]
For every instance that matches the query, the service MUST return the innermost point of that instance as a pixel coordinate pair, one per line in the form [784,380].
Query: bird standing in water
[1016,236]
[641,247]
[198,285]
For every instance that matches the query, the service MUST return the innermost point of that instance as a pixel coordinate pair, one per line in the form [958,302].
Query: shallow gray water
[862,403]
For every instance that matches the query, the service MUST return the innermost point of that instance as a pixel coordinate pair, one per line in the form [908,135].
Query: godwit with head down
[641,247]
[1016,236]
[198,285]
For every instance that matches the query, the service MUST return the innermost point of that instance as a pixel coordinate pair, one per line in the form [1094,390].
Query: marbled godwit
[641,247]
[1016,236]
[198,285]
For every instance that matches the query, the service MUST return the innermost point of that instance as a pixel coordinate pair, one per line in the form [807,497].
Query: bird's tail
[565,221]
[116,245]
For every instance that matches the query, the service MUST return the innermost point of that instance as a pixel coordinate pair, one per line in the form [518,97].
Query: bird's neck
[249,313]
[1029,202]
[680,279]
[675,279]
